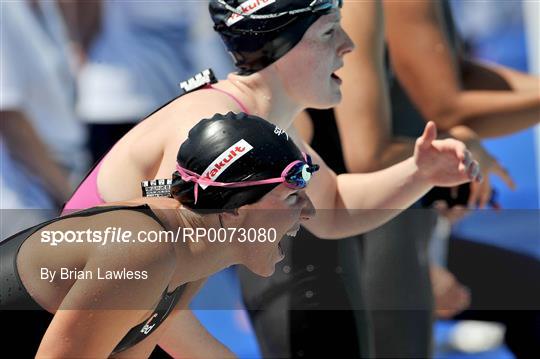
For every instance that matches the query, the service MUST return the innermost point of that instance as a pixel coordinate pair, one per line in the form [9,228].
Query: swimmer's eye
[330,32]
[292,198]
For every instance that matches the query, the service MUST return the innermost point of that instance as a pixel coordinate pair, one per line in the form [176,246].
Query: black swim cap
[232,148]
[267,30]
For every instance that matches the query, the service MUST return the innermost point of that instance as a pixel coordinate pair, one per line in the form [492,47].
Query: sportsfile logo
[247,8]
[224,160]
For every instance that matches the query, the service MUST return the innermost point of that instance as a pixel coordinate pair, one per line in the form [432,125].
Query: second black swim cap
[232,148]
[259,32]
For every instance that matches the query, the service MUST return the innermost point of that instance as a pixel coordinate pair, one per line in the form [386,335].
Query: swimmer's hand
[481,192]
[444,163]
[451,297]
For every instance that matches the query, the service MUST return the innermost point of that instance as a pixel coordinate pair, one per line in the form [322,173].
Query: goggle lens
[322,5]
[300,174]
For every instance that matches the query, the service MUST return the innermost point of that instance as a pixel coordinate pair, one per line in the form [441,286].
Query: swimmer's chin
[268,272]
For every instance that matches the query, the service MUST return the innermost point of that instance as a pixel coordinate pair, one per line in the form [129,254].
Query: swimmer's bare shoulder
[100,312]
[149,150]
[197,106]
[137,224]
[111,239]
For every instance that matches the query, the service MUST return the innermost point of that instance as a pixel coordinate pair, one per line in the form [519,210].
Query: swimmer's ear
[228,217]
[232,212]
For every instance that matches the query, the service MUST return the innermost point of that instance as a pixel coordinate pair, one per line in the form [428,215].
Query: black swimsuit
[318,282]
[27,322]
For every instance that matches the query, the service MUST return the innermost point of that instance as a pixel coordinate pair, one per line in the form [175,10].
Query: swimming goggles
[314,6]
[296,175]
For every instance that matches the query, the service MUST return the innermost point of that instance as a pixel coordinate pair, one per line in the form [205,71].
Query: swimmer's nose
[347,44]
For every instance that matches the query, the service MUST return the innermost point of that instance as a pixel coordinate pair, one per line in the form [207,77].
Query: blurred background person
[506,287]
[492,100]
[399,279]
[398,274]
[432,79]
[42,143]
[140,52]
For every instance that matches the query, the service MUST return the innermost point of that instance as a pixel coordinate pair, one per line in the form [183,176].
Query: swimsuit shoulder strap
[232,97]
[142,208]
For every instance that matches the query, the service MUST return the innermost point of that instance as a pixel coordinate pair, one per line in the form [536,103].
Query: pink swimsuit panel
[87,194]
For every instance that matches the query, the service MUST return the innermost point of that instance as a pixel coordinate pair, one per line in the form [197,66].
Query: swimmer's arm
[498,77]
[351,204]
[363,116]
[186,337]
[86,333]
[426,67]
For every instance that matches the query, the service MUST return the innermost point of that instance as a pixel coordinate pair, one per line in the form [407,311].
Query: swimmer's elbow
[444,113]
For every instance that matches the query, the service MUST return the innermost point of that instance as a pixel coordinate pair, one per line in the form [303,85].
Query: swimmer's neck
[267,96]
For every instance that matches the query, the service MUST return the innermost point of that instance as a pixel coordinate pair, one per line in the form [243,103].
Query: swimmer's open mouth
[280,249]
[335,77]
[294,231]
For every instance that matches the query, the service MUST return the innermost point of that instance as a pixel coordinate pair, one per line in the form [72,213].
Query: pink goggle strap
[190,176]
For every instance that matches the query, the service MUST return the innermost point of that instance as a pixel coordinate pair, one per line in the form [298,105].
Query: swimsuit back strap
[232,97]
